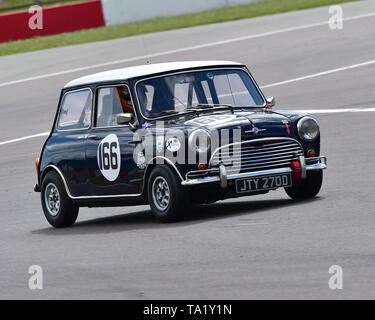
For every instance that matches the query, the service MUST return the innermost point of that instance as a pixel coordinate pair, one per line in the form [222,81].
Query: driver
[125,98]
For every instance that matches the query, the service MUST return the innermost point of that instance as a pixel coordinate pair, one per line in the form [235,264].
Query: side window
[75,110]
[110,102]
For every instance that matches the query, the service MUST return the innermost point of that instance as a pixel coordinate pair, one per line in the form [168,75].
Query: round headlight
[308,129]
[199,141]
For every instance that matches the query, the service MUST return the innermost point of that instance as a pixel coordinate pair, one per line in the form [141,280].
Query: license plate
[263,183]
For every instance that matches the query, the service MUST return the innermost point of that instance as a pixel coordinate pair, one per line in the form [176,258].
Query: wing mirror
[270,102]
[124,118]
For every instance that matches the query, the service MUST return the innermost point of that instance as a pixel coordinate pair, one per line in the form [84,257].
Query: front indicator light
[37,165]
[202,166]
[311,153]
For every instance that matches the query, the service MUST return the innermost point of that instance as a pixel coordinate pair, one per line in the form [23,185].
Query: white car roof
[144,70]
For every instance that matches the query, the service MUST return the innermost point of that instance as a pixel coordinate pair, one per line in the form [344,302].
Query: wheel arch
[53,168]
[150,167]
[45,171]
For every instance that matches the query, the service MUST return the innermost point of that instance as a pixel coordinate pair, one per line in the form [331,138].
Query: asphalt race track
[254,247]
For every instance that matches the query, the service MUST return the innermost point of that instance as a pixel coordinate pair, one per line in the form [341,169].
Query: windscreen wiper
[212,106]
[251,107]
[164,113]
[202,106]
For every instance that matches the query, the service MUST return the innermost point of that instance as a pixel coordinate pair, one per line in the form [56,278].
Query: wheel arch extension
[53,168]
[151,165]
[47,170]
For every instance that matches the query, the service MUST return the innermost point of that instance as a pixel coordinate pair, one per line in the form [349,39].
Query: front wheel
[307,188]
[59,209]
[165,194]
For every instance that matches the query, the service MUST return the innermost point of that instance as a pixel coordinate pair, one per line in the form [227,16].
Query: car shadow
[145,219]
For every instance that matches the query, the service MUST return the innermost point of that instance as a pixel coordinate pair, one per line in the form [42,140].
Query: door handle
[93,137]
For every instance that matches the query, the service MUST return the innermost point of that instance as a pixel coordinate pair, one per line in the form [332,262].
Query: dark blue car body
[73,154]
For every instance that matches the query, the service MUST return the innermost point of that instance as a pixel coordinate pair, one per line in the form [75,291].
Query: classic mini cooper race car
[171,135]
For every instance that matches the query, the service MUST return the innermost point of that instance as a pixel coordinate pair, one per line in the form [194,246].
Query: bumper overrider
[220,174]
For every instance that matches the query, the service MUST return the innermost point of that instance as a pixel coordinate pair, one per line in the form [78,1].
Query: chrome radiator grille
[260,154]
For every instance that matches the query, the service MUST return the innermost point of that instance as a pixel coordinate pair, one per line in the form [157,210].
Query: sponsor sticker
[146,125]
[173,144]
[141,160]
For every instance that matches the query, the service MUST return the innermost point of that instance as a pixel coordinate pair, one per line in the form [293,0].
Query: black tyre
[308,188]
[165,194]
[59,209]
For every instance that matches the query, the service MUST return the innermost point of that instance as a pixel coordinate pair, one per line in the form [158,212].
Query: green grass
[161,24]
[13,3]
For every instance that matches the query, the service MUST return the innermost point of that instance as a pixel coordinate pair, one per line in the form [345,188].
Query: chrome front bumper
[307,164]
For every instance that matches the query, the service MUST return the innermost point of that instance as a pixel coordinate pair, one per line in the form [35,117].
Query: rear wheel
[307,188]
[165,194]
[59,209]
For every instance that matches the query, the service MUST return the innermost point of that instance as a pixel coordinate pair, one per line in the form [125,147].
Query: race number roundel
[109,157]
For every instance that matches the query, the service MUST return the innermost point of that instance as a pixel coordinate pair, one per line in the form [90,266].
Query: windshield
[179,93]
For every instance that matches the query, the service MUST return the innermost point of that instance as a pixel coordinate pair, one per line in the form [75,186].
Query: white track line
[43,134]
[312,111]
[201,46]
[329,111]
[319,74]
[250,224]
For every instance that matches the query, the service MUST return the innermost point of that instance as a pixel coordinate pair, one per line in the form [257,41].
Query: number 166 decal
[109,157]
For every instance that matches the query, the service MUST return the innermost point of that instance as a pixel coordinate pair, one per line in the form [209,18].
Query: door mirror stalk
[124,118]
[270,102]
